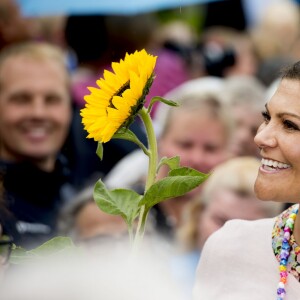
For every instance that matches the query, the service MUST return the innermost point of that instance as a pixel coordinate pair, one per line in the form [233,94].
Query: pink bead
[283,274]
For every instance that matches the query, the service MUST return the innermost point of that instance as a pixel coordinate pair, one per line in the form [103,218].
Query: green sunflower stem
[130,232]
[152,167]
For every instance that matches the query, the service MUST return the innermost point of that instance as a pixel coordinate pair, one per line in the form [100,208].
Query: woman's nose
[199,160]
[265,136]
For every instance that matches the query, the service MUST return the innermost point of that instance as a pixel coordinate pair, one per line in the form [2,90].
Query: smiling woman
[277,138]
[268,248]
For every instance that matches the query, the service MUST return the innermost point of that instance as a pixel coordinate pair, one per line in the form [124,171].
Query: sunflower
[121,94]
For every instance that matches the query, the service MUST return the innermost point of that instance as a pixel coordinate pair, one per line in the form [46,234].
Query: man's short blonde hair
[37,51]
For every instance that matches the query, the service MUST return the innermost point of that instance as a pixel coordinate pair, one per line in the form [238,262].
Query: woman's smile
[273,166]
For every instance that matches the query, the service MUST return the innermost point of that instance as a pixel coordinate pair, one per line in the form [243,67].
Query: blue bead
[283,262]
[286,246]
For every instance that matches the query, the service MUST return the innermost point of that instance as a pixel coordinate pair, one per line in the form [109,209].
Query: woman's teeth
[274,164]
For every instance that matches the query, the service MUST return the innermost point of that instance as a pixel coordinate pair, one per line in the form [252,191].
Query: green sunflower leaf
[121,202]
[172,162]
[178,182]
[99,150]
[20,256]
[161,99]
[127,134]
[55,246]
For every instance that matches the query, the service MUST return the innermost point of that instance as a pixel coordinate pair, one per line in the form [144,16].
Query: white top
[238,263]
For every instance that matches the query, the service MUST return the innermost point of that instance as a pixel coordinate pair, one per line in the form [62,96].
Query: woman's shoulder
[245,232]
[240,245]
[236,252]
[247,226]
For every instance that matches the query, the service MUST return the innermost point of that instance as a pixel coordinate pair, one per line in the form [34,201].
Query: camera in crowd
[210,56]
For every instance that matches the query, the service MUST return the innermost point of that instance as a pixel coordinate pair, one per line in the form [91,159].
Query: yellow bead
[282,268]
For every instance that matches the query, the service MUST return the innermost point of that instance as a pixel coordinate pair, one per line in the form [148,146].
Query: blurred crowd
[221,72]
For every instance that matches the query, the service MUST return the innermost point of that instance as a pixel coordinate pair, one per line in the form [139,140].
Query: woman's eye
[290,125]
[184,144]
[266,116]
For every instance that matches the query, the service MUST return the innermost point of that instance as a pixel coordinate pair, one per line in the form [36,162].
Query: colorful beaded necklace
[285,253]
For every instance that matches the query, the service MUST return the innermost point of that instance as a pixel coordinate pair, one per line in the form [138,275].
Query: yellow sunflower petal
[118,96]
